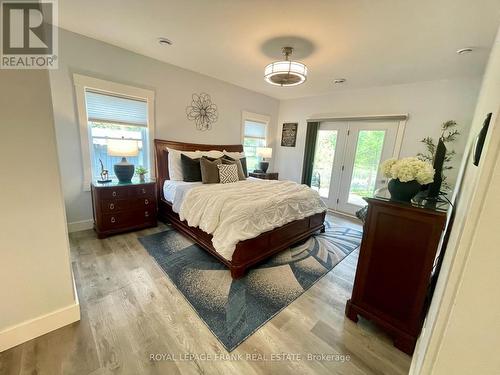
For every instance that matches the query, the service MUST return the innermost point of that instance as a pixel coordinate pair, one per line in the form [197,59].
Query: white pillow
[234,155]
[174,162]
[215,154]
[228,173]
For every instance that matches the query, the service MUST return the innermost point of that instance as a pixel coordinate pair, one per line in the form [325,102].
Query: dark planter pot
[403,191]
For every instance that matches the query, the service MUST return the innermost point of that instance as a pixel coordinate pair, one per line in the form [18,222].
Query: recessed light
[464,51]
[338,81]
[165,42]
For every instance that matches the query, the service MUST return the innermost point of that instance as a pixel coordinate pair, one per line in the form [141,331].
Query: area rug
[234,309]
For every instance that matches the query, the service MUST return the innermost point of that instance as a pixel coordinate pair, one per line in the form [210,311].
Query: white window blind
[255,130]
[115,109]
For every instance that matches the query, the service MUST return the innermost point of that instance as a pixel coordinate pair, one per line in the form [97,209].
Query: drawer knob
[146,214]
[114,194]
[143,191]
[146,201]
[113,220]
[111,206]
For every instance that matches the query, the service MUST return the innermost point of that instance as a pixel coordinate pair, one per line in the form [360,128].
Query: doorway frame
[402,119]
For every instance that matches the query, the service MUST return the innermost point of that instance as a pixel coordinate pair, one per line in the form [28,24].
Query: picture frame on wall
[289,134]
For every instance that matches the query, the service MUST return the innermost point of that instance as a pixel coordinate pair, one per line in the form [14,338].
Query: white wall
[428,104]
[35,275]
[173,86]
[462,331]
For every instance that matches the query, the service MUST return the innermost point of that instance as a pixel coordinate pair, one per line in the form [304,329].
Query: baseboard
[33,328]
[77,226]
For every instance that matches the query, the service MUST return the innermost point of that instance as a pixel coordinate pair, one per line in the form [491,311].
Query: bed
[247,252]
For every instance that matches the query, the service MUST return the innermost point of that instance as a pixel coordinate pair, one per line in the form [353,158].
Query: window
[109,111]
[254,136]
[112,117]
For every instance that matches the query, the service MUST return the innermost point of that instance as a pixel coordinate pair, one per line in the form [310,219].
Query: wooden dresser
[394,270]
[120,207]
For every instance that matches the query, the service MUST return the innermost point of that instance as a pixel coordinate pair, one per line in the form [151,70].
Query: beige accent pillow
[241,173]
[209,170]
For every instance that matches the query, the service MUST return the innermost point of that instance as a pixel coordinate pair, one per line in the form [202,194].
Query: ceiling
[371,43]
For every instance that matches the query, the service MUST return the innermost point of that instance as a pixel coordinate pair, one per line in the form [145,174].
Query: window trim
[250,116]
[81,83]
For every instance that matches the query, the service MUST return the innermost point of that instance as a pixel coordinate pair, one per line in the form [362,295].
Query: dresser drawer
[114,205]
[143,203]
[144,191]
[118,205]
[127,219]
[114,193]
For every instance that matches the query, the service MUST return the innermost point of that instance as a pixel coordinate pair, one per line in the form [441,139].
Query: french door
[347,159]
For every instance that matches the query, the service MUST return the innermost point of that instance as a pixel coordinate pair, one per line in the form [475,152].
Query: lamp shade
[285,73]
[265,152]
[122,147]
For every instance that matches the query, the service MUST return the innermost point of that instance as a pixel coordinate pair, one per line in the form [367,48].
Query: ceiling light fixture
[338,81]
[165,42]
[285,72]
[463,51]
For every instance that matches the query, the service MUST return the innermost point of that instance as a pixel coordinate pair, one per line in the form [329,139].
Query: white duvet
[243,210]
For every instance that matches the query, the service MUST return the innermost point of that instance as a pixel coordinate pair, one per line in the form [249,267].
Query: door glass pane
[366,163]
[323,161]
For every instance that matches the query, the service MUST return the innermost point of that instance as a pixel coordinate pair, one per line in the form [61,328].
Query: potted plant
[141,171]
[407,177]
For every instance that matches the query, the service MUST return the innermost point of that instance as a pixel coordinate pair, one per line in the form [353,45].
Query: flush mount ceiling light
[286,72]
[164,41]
[464,51]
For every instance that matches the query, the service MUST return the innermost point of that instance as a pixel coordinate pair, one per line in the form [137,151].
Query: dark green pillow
[209,170]
[191,170]
[243,162]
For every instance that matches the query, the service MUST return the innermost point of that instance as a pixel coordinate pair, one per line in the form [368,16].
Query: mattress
[174,192]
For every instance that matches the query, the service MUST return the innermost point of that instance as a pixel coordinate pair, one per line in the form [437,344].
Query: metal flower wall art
[202,111]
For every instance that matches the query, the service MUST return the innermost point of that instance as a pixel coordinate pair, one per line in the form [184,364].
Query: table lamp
[264,153]
[122,147]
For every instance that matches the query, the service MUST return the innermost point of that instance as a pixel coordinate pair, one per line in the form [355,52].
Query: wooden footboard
[251,251]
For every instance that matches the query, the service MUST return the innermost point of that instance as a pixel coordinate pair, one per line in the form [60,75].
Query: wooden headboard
[161,156]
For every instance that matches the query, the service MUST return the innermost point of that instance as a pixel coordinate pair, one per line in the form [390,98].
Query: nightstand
[122,207]
[264,176]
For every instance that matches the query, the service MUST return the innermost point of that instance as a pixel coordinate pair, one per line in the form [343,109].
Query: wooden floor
[131,311]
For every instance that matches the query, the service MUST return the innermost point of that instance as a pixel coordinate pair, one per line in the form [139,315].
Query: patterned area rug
[234,309]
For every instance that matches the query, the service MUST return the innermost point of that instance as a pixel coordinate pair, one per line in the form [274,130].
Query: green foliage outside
[323,160]
[366,162]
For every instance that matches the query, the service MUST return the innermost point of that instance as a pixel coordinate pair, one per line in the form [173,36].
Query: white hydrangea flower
[408,169]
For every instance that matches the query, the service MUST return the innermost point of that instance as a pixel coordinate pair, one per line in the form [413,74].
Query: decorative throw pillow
[242,160]
[228,173]
[174,162]
[234,155]
[214,154]
[191,171]
[241,174]
[209,170]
